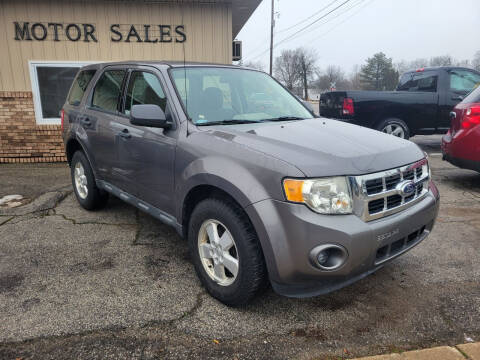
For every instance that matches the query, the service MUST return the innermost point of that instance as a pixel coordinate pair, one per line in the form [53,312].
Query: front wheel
[226,252]
[395,127]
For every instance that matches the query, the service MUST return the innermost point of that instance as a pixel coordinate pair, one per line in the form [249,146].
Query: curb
[470,351]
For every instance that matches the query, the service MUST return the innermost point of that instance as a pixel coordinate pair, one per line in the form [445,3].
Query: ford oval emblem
[407,188]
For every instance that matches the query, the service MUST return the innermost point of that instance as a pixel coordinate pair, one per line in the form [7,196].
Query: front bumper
[288,232]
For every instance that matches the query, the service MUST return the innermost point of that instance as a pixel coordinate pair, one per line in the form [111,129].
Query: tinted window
[474,96]
[79,86]
[422,81]
[54,83]
[463,81]
[107,90]
[144,88]
[214,94]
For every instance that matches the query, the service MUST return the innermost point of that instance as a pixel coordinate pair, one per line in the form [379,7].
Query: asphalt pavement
[117,284]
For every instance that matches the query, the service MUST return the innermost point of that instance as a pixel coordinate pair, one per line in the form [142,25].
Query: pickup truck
[420,105]
[261,189]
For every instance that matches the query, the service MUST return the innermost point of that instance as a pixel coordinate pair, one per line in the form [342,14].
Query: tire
[88,194]
[229,220]
[395,127]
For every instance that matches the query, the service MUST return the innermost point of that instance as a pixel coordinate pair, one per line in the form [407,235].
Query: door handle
[457,98]
[125,134]
[86,122]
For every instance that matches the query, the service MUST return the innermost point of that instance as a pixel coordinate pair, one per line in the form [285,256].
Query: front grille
[384,193]
[374,186]
[393,201]
[390,250]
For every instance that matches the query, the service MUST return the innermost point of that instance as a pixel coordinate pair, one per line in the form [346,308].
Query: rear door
[147,154]
[458,84]
[99,119]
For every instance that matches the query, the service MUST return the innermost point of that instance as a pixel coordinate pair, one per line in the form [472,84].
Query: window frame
[85,93]
[37,102]
[458,91]
[89,102]
[128,78]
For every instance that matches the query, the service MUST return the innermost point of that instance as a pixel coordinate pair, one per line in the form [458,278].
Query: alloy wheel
[218,252]
[395,130]
[80,180]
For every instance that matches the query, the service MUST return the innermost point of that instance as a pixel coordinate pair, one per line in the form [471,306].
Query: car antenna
[185,75]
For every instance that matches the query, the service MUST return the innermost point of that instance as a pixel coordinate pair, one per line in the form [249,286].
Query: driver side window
[144,88]
[463,81]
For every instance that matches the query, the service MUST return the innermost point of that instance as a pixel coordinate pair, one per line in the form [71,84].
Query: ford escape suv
[261,189]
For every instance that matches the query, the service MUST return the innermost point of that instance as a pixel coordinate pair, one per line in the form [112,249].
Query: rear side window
[422,81]
[107,90]
[463,81]
[79,86]
[144,88]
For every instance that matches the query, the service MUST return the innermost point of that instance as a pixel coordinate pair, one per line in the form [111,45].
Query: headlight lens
[325,195]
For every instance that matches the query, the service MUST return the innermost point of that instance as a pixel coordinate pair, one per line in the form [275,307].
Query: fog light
[328,256]
[322,257]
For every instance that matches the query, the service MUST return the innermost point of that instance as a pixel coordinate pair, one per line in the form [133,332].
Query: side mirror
[148,115]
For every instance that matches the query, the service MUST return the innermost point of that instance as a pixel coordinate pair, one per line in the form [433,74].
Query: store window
[51,82]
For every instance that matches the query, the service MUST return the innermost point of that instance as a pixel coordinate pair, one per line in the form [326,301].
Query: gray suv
[262,190]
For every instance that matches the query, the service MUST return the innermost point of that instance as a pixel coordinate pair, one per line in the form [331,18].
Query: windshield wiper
[284,118]
[228,122]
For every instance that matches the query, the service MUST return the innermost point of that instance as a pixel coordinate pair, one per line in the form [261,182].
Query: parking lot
[116,283]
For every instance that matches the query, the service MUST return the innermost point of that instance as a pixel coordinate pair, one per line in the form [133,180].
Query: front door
[147,154]
[460,82]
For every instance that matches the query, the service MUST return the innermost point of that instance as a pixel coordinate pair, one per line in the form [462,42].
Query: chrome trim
[361,198]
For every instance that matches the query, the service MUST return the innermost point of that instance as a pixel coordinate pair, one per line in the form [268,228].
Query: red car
[461,144]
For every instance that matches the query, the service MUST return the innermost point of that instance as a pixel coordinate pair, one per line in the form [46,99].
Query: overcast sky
[402,29]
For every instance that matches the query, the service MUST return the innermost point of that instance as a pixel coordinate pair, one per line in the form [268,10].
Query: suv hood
[323,147]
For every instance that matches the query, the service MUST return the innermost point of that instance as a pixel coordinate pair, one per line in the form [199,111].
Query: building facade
[44,42]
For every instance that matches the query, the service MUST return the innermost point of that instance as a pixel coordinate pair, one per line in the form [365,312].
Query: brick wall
[21,139]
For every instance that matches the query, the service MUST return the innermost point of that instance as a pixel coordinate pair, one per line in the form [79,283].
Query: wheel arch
[74,144]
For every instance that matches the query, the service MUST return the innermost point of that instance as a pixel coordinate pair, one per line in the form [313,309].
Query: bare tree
[257,65]
[332,76]
[355,79]
[476,61]
[443,60]
[286,68]
[463,63]
[418,63]
[307,59]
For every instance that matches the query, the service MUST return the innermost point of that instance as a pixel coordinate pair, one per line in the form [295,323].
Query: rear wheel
[84,186]
[395,127]
[226,252]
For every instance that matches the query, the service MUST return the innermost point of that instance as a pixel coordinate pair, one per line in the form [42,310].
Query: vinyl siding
[208,28]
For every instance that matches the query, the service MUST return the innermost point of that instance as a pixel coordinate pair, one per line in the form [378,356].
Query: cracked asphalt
[118,284]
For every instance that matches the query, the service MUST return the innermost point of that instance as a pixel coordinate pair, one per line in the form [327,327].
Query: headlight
[325,195]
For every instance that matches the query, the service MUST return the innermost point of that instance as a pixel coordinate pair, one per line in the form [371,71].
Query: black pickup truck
[421,103]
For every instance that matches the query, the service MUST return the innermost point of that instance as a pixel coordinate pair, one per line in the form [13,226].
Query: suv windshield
[226,95]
